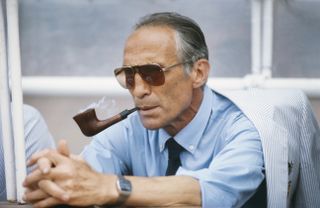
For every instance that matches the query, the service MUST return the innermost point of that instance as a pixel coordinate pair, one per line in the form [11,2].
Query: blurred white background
[86,38]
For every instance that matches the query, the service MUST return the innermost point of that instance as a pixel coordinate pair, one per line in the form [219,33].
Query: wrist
[108,193]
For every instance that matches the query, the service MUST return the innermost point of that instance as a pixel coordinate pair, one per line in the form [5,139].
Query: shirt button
[161,146]
[191,147]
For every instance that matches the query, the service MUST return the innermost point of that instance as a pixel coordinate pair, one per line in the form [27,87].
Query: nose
[141,88]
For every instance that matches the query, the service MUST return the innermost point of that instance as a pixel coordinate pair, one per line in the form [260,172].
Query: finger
[54,157]
[44,165]
[33,178]
[34,158]
[31,187]
[34,196]
[48,202]
[54,190]
[63,148]
[77,157]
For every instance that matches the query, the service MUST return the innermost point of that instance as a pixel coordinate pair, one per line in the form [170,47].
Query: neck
[187,115]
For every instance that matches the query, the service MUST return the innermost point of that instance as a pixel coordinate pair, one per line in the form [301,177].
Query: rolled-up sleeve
[234,173]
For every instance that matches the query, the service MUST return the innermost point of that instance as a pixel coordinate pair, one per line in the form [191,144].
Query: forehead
[155,44]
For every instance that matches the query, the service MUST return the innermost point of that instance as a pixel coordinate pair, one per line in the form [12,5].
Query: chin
[151,124]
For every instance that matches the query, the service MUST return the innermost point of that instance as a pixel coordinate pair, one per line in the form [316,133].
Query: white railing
[92,86]
[14,65]
[7,138]
[12,110]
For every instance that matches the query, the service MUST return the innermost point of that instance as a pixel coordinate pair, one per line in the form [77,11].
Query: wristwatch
[124,189]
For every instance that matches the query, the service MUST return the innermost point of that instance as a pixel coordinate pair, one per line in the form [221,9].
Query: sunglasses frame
[137,68]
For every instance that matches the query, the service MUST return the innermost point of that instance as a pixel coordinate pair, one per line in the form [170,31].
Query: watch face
[124,185]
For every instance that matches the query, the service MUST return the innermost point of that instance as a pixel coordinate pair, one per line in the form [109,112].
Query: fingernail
[24,198]
[45,171]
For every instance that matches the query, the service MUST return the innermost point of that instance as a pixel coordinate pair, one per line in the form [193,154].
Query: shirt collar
[190,135]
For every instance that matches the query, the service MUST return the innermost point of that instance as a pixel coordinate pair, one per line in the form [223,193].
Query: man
[37,137]
[165,69]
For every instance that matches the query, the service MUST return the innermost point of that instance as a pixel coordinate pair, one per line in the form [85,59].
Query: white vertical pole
[267,41]
[256,13]
[14,64]
[7,139]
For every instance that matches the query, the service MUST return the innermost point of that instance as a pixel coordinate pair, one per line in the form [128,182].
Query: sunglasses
[153,74]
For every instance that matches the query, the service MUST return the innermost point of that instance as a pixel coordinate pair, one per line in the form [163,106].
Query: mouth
[146,108]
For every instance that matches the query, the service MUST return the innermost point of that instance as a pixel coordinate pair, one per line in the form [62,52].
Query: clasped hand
[62,178]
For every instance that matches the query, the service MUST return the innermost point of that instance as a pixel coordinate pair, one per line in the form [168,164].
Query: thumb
[63,148]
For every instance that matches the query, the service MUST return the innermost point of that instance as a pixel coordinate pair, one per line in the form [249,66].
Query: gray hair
[190,42]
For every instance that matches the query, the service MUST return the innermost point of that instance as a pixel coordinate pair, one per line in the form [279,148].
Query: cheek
[180,102]
[178,97]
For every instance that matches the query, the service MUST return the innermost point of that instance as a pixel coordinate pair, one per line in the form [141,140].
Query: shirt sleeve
[37,137]
[234,173]
[107,152]
[36,132]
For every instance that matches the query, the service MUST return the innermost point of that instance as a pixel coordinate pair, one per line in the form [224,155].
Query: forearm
[163,191]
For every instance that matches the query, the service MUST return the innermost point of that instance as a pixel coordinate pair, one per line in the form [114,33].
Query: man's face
[165,105]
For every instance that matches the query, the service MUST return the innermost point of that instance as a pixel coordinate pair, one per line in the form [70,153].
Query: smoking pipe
[90,125]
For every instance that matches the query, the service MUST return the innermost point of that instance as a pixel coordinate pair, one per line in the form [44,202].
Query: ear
[200,72]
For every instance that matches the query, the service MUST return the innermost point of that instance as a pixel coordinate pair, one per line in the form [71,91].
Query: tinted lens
[129,74]
[120,74]
[152,74]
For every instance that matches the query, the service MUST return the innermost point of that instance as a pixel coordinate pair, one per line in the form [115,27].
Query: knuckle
[42,183]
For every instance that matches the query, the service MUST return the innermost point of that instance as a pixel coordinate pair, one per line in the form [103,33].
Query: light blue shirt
[223,151]
[37,137]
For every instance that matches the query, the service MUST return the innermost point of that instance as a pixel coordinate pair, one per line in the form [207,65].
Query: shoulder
[37,135]
[232,120]
[272,97]
[34,123]
[226,110]
[30,114]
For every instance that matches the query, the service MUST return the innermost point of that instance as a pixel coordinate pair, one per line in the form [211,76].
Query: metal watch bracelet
[124,189]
